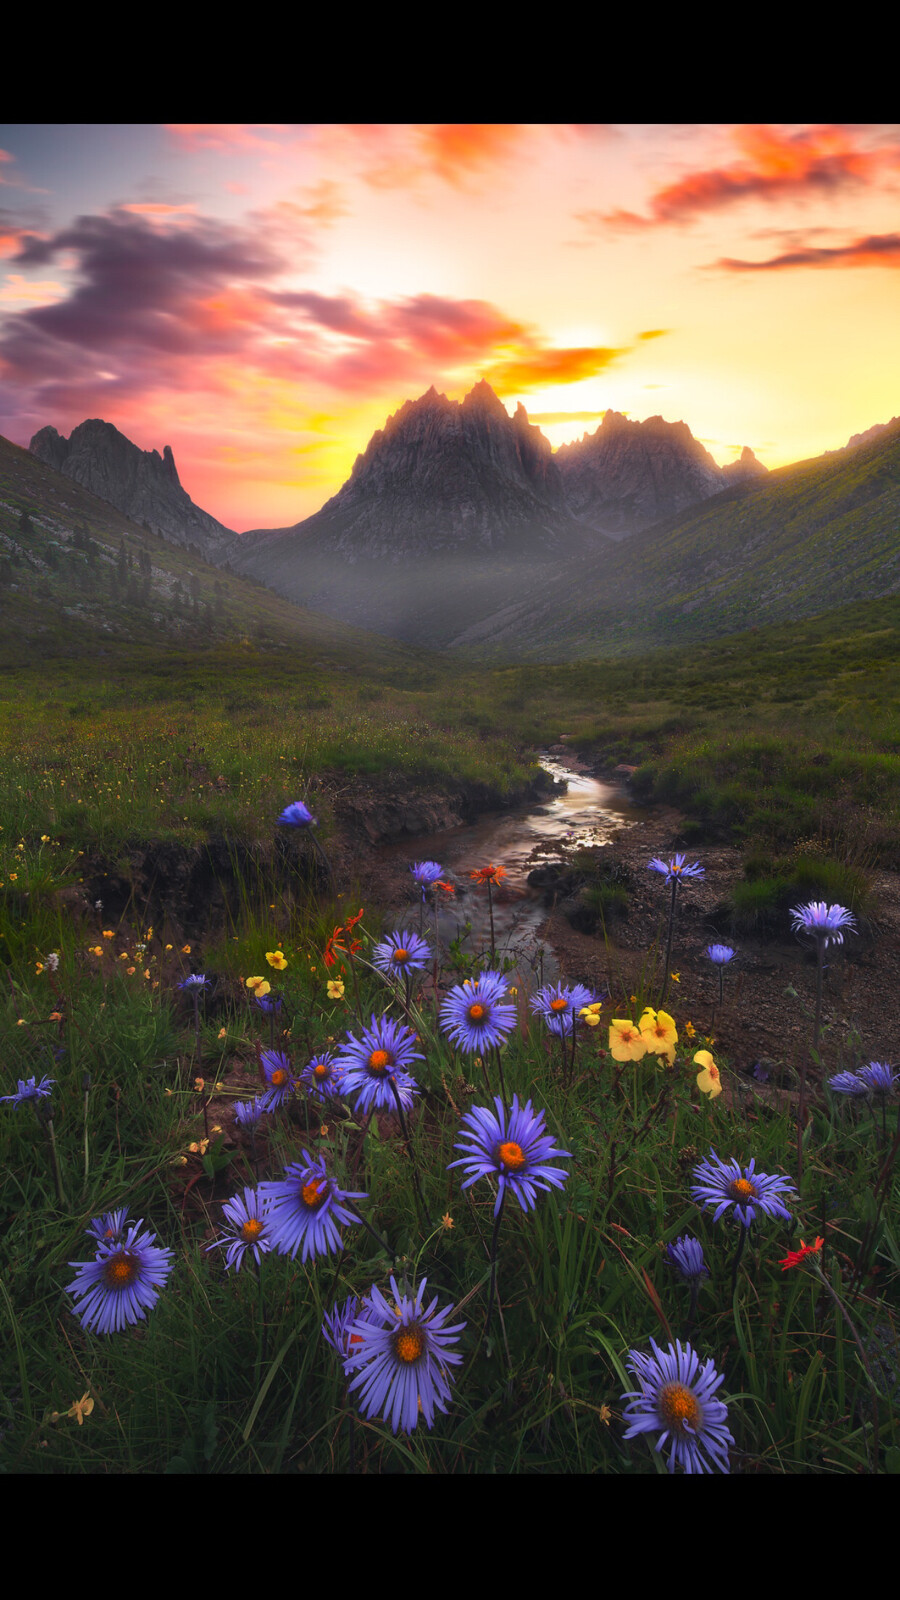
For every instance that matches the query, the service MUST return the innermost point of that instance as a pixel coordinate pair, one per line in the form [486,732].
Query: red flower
[336,942]
[794,1257]
[488,874]
[448,888]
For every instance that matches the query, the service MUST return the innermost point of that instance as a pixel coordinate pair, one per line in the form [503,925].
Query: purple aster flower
[248,1112]
[402,1358]
[558,1004]
[121,1284]
[280,1076]
[337,1324]
[305,1207]
[517,1152]
[471,1014]
[249,1229]
[401,952]
[723,1184]
[194,984]
[371,1063]
[270,1004]
[879,1078]
[849,1083]
[110,1228]
[676,867]
[296,816]
[676,1400]
[822,921]
[686,1255]
[323,1078]
[720,954]
[29,1089]
[425,873]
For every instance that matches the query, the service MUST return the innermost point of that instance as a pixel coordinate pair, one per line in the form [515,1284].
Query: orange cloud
[877,250]
[156,211]
[226,135]
[774,164]
[455,151]
[537,367]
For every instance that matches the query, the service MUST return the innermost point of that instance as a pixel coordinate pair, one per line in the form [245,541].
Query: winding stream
[589,811]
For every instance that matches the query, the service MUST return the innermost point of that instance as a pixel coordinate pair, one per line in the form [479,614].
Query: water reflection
[590,811]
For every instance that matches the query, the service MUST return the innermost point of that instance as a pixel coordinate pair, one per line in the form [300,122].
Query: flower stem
[745,1234]
[493,1288]
[665,987]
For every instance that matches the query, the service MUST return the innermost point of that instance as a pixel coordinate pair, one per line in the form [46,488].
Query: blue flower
[249,1229]
[823,922]
[875,1079]
[305,1207]
[425,873]
[193,984]
[401,952]
[29,1089]
[879,1078]
[121,1284]
[248,1112]
[723,1184]
[280,1076]
[849,1083]
[471,1014]
[676,868]
[517,1152]
[372,1062]
[323,1078]
[558,1004]
[720,953]
[338,1322]
[109,1228]
[297,816]
[402,1358]
[270,1004]
[686,1255]
[676,1400]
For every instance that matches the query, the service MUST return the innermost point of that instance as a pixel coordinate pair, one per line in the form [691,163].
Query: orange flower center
[511,1156]
[558,1005]
[743,1189]
[680,1407]
[320,1070]
[409,1344]
[278,1077]
[314,1192]
[380,1060]
[251,1229]
[476,1012]
[401,955]
[119,1270]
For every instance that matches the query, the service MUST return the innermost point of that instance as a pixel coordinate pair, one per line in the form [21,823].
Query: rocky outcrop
[746,468]
[442,477]
[627,475]
[142,484]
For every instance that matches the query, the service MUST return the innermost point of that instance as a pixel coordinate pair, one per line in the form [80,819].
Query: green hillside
[809,537]
[79,579]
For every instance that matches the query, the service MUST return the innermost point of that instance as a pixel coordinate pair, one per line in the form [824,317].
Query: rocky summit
[141,484]
[626,476]
[444,477]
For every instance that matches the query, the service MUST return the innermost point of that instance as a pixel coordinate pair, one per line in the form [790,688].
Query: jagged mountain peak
[142,484]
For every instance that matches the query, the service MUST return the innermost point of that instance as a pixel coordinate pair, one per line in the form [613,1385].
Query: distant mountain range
[459,527]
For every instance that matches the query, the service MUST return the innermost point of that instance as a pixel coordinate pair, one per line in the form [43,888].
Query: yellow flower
[124,956]
[45,838]
[690,1030]
[39,966]
[626,1042]
[276,959]
[260,986]
[199,1083]
[658,1028]
[221,1033]
[708,1080]
[168,947]
[146,972]
[130,971]
[675,976]
[109,934]
[79,1409]
[446,1220]
[185,949]
[335,989]
[200,1148]
[55,1016]
[20,1023]
[95,950]
[13,877]
[216,1128]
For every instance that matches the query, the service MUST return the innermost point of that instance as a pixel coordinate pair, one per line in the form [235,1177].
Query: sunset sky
[261,296]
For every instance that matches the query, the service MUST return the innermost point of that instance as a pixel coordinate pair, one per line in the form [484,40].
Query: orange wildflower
[488,874]
[794,1257]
